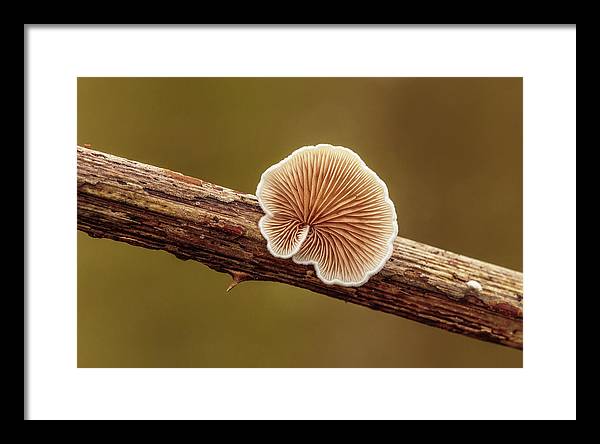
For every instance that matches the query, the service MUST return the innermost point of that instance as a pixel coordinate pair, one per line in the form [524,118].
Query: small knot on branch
[238,277]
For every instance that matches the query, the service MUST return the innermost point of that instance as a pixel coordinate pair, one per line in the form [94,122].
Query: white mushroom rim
[328,195]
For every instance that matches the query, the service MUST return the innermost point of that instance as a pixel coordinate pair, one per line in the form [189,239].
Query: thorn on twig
[238,277]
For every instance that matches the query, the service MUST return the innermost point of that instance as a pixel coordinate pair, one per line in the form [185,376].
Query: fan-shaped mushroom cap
[324,206]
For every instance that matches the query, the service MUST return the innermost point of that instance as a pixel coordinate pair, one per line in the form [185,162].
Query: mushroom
[323,206]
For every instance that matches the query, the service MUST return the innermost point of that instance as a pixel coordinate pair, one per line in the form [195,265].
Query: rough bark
[156,208]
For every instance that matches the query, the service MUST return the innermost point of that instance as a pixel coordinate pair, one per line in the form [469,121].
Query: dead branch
[156,208]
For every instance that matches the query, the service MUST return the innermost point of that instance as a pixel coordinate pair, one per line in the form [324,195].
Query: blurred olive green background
[449,149]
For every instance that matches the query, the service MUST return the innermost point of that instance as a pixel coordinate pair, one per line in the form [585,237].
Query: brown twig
[156,208]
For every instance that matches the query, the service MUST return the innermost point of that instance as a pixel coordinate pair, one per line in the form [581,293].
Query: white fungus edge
[390,247]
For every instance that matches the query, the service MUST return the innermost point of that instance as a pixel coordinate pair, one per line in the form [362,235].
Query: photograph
[299,222]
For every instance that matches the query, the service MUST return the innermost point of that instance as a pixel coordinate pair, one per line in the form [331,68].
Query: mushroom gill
[324,206]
